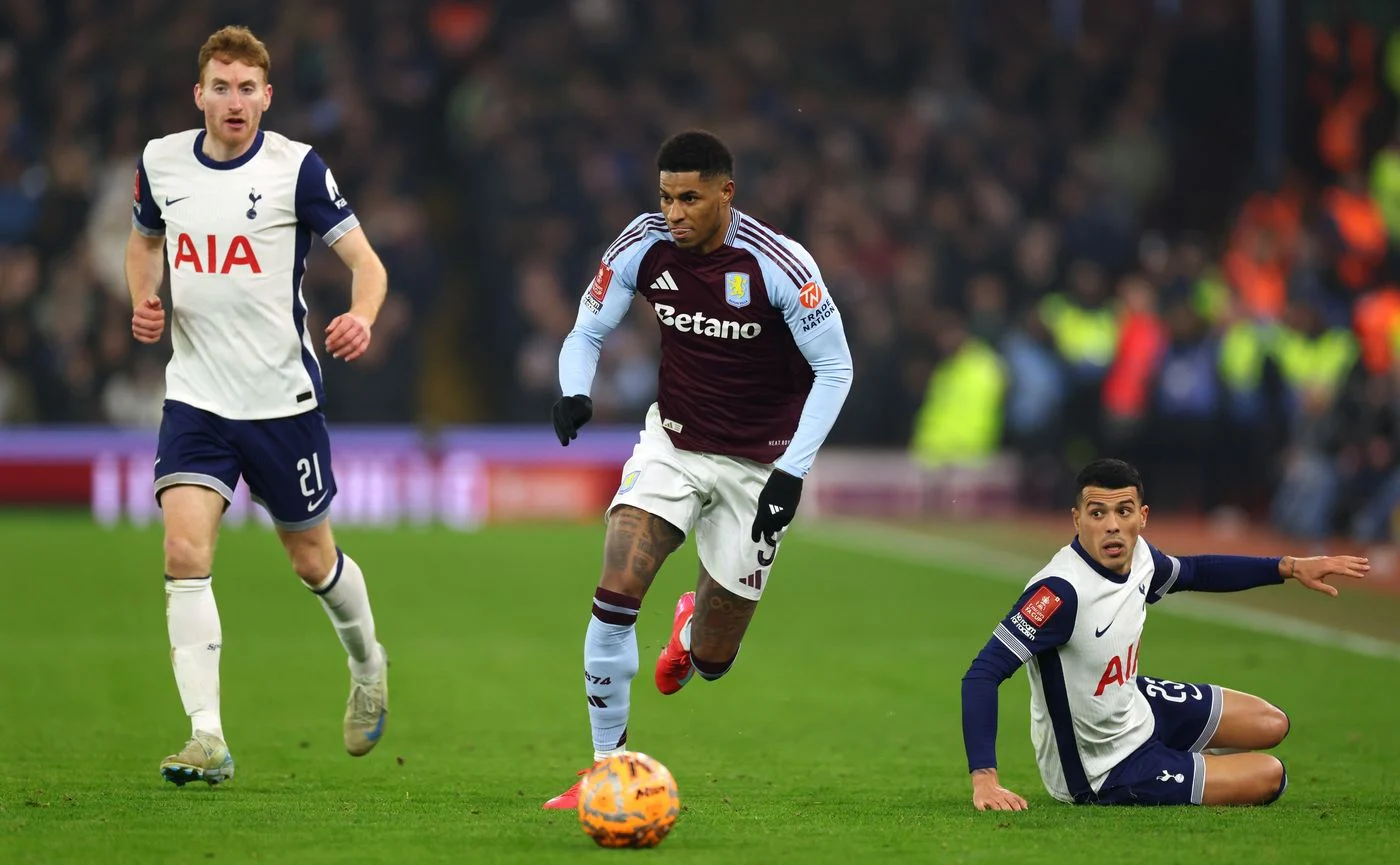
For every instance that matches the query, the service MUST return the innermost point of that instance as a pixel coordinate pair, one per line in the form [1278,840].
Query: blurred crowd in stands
[83,86]
[1047,224]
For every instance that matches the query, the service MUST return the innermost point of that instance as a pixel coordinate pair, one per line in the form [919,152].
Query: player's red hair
[233,44]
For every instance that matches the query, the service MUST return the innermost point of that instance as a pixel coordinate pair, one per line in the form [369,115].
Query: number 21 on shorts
[310,469]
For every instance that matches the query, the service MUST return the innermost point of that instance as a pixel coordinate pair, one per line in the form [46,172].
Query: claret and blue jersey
[754,361]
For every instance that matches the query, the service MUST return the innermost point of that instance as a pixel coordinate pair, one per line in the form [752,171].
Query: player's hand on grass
[570,413]
[347,336]
[777,505]
[989,795]
[1314,571]
[148,321]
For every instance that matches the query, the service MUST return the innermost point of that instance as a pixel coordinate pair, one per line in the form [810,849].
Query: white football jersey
[236,237]
[1078,629]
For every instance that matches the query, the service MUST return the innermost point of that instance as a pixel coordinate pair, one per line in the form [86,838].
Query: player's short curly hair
[235,44]
[695,150]
[1109,474]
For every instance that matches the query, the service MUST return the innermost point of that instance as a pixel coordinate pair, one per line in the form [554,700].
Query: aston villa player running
[754,370]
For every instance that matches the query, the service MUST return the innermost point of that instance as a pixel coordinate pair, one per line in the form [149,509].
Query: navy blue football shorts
[286,461]
[1168,768]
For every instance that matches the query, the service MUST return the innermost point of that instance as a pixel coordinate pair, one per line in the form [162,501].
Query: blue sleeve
[807,308]
[145,210]
[1042,619]
[601,309]
[320,206]
[815,322]
[830,358]
[1210,574]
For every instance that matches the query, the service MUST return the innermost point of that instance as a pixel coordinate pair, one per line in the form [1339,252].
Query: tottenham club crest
[736,289]
[254,198]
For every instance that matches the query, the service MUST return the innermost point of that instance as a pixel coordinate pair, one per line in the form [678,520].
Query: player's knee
[186,557]
[313,555]
[631,583]
[1273,782]
[1275,725]
[311,564]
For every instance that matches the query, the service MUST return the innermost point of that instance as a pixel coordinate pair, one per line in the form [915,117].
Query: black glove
[570,413]
[777,505]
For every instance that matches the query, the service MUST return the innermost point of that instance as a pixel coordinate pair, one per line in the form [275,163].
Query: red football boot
[673,668]
[568,800]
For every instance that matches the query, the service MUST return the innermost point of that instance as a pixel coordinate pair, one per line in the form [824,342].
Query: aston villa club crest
[736,289]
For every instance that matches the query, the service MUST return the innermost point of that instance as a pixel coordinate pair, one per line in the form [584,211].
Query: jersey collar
[733,233]
[1098,568]
[209,162]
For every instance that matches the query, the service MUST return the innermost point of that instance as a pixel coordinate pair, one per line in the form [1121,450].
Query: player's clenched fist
[570,413]
[148,321]
[777,505]
[347,336]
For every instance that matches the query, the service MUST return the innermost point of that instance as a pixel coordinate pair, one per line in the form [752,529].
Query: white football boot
[205,757]
[367,710]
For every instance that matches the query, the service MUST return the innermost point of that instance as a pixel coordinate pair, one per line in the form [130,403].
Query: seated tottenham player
[1104,734]
[754,370]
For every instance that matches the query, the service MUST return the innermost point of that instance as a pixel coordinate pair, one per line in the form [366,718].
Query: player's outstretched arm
[1213,573]
[1315,571]
[145,266]
[348,335]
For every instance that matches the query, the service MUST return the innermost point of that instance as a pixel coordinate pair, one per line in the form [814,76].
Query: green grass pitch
[836,738]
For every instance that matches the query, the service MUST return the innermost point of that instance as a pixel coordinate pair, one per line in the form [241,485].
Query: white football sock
[346,601]
[196,641]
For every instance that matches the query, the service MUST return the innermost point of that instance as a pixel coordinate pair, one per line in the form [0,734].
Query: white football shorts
[714,496]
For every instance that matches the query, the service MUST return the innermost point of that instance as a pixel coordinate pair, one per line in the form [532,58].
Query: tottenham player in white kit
[1103,733]
[233,209]
[754,370]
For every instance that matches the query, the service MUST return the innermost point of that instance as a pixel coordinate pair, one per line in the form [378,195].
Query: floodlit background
[1158,229]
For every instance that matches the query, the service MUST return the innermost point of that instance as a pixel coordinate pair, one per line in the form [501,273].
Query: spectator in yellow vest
[961,418]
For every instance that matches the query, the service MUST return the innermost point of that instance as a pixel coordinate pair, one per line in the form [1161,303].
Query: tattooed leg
[636,545]
[717,627]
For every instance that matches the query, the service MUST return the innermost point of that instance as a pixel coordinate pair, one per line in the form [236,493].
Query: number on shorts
[309,468]
[1173,692]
